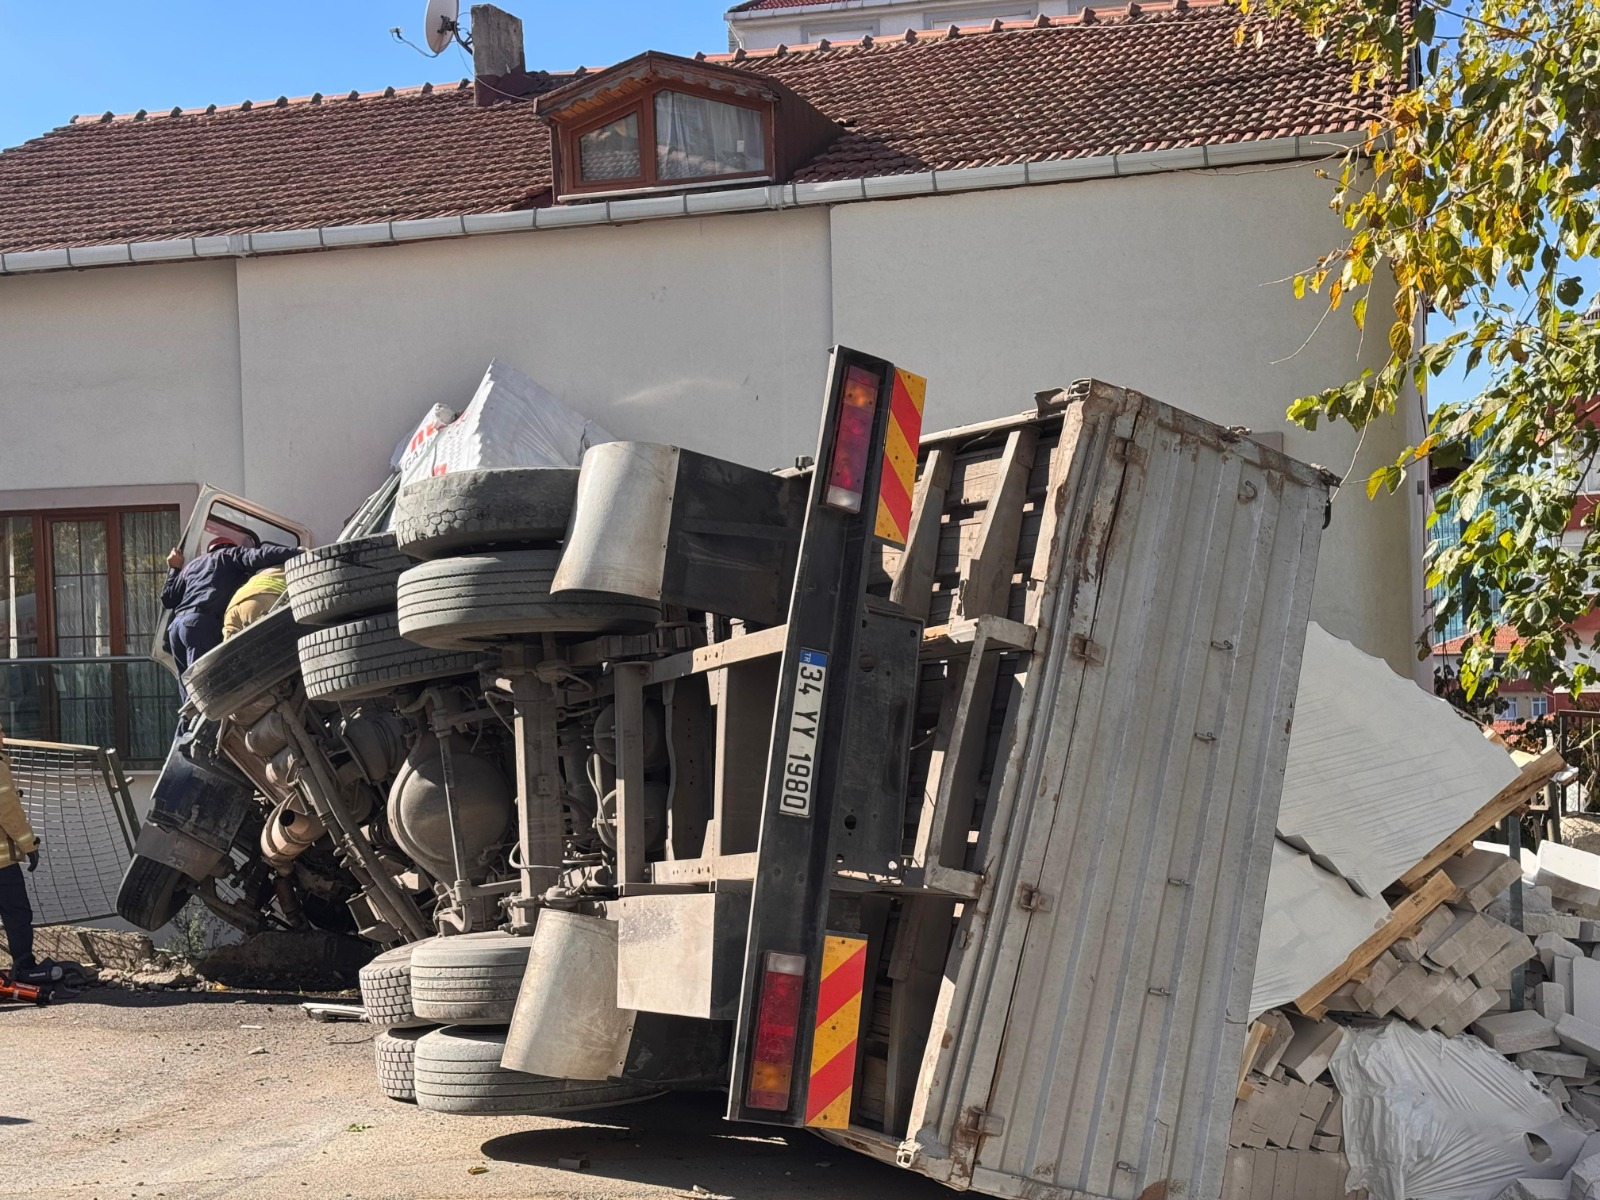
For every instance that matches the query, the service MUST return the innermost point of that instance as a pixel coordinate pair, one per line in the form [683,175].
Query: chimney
[498,65]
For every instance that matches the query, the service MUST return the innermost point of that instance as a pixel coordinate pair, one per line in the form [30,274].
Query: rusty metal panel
[1096,998]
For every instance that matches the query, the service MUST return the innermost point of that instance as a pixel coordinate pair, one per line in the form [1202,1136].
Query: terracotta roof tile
[1150,79]
[760,5]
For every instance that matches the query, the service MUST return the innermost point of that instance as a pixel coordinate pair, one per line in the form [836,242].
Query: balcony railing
[124,702]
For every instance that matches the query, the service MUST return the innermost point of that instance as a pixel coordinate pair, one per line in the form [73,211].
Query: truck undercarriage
[667,772]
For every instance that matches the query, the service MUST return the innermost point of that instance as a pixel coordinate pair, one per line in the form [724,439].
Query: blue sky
[64,58]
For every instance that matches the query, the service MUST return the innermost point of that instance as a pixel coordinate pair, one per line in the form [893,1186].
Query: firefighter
[18,843]
[198,593]
[254,600]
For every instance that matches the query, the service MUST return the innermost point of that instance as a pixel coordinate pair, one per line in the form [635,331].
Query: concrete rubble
[1384,823]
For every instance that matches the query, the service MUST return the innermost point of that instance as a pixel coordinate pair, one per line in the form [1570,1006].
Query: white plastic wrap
[1379,772]
[511,422]
[1431,1118]
[1313,919]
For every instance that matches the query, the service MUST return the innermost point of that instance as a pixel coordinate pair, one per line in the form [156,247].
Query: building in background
[267,297]
[765,24]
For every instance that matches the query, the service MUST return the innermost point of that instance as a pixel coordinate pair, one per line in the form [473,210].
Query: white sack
[1379,772]
[1431,1118]
[511,422]
[1312,921]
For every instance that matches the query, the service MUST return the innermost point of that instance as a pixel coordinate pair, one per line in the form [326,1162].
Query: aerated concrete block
[1312,1047]
[1458,938]
[1585,1001]
[1425,994]
[1433,927]
[1584,1178]
[1535,1189]
[1564,924]
[1554,1062]
[1480,1003]
[1490,937]
[1497,971]
[1578,1036]
[1512,1033]
[1384,968]
[1552,946]
[1456,993]
[1400,989]
[1572,875]
[1481,875]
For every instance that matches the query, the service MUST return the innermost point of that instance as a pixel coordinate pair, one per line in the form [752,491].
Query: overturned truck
[922,795]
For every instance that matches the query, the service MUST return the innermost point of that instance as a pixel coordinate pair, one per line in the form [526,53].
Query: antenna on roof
[441,25]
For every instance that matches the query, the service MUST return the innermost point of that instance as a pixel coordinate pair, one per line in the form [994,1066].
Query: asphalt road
[119,1094]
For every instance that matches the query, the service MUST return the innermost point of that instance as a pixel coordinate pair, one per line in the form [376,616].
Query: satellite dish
[440,25]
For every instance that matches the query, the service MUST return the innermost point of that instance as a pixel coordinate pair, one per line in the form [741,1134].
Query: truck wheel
[345,580]
[468,979]
[386,989]
[246,666]
[369,657]
[472,600]
[473,509]
[151,893]
[458,1071]
[396,1051]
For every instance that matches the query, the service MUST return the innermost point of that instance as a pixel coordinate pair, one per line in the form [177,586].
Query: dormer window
[659,123]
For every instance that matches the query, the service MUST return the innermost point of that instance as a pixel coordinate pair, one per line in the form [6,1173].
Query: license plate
[800,761]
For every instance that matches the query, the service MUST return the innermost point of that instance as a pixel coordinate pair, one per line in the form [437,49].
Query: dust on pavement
[158,1095]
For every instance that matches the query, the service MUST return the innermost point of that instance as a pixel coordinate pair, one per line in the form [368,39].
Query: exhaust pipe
[287,835]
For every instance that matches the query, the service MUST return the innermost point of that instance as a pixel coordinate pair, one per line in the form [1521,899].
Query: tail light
[852,441]
[783,985]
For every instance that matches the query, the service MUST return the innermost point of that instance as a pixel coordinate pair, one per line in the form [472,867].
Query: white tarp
[1379,771]
[1312,921]
[512,421]
[1431,1118]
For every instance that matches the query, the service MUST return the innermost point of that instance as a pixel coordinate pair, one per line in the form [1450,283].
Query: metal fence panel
[1097,996]
[77,801]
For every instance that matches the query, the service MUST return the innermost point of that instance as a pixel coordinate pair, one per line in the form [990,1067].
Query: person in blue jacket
[198,593]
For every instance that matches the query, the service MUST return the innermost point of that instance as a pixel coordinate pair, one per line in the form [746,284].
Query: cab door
[222,514]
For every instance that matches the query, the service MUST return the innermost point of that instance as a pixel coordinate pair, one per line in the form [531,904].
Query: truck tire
[345,580]
[151,894]
[395,1052]
[470,510]
[369,657]
[457,1070]
[474,600]
[386,989]
[246,666]
[468,979]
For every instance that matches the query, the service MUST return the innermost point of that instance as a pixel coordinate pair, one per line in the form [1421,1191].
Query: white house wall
[116,378]
[710,332]
[1166,284]
[291,377]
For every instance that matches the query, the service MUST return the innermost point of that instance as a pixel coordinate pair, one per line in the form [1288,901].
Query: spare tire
[457,1070]
[386,989]
[346,579]
[369,657]
[151,894]
[246,666]
[473,509]
[395,1053]
[468,979]
[479,599]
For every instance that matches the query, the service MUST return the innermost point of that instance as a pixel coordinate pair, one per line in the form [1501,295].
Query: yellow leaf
[1299,287]
[1359,312]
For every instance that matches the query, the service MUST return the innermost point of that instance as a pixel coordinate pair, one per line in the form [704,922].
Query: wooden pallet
[1427,886]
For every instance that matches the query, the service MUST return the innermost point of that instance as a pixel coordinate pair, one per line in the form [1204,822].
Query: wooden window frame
[46,645]
[644,104]
[44,569]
